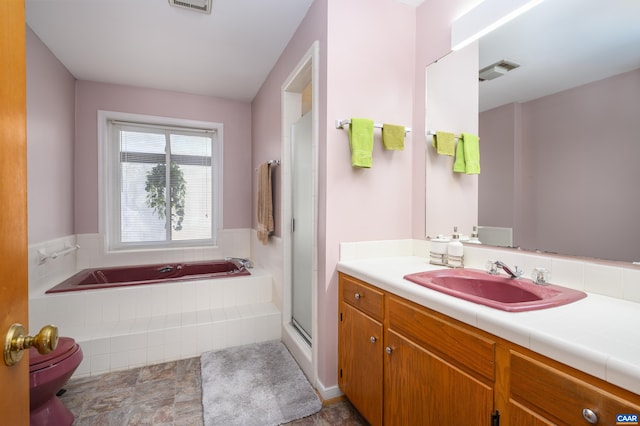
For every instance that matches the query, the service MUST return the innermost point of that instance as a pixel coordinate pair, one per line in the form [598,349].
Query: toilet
[47,375]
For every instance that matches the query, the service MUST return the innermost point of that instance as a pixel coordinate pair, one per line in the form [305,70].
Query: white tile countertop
[599,335]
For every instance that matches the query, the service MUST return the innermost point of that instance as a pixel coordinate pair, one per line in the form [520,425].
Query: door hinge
[340,316]
[293,225]
[341,373]
[495,418]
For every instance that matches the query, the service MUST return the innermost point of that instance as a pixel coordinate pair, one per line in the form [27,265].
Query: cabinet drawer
[362,296]
[467,349]
[560,397]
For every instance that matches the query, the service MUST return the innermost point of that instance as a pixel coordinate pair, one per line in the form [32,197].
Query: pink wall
[235,116]
[50,135]
[451,105]
[580,155]
[363,73]
[266,106]
[433,41]
[500,132]
[369,74]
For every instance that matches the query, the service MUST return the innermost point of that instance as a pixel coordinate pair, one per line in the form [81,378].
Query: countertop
[599,335]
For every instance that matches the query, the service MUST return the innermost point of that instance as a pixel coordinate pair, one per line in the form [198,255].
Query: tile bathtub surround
[130,327]
[169,393]
[92,253]
[41,274]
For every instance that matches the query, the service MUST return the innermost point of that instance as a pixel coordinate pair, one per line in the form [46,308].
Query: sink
[496,291]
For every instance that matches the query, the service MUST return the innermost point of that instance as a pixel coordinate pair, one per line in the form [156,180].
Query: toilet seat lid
[66,347]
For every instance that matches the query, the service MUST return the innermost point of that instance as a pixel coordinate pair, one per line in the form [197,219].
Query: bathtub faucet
[165,269]
[244,263]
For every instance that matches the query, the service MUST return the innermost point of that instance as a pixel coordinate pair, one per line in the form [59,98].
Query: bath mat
[258,384]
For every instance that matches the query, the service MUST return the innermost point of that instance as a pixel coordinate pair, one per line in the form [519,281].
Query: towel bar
[432,133]
[341,123]
[43,256]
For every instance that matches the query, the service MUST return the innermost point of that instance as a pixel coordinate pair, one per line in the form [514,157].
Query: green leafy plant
[156,192]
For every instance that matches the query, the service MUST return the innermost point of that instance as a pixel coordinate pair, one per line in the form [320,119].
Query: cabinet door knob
[590,416]
[388,349]
[358,296]
[373,339]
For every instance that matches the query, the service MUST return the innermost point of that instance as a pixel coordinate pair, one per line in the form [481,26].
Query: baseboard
[328,393]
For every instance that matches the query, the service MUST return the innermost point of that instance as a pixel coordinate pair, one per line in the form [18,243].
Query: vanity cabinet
[544,392]
[435,372]
[360,347]
[403,364]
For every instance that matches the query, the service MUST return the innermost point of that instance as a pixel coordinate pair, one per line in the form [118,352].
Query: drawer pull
[357,296]
[373,339]
[388,350]
[590,416]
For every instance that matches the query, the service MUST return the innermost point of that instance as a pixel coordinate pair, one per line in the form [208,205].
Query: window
[162,185]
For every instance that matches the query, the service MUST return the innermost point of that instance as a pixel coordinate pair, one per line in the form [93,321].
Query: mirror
[560,134]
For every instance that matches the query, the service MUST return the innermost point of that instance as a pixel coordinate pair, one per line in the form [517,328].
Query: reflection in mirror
[560,134]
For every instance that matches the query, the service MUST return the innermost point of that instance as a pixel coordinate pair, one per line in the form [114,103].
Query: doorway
[300,211]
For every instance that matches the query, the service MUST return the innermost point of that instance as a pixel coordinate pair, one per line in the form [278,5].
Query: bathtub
[121,276]
[125,326]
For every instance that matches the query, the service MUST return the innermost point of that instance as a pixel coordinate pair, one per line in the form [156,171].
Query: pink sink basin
[496,291]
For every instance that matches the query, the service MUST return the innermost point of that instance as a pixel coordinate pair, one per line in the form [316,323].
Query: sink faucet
[500,265]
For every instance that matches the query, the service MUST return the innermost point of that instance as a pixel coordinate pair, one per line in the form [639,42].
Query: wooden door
[422,389]
[14,381]
[360,362]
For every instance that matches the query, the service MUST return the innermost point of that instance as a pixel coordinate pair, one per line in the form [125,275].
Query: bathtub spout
[165,269]
[244,263]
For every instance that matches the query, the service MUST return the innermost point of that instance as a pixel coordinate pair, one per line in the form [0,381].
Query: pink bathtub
[121,276]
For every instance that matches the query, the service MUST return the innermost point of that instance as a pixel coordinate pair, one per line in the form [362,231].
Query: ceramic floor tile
[164,394]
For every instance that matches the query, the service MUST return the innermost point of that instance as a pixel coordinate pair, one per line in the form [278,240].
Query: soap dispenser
[455,250]
[474,236]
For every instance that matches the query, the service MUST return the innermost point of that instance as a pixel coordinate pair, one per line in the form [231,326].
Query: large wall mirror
[560,134]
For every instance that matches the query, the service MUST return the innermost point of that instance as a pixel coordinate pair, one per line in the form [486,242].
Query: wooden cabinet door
[555,394]
[360,362]
[422,389]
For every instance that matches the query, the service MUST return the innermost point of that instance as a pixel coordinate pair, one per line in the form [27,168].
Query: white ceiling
[148,43]
[561,44]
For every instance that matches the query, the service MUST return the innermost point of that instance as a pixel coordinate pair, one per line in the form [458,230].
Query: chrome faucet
[244,263]
[494,266]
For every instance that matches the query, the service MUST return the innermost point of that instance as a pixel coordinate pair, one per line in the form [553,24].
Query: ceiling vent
[203,6]
[496,70]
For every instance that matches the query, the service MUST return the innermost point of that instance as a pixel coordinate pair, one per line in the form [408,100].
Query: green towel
[444,143]
[393,137]
[471,154]
[361,142]
[467,155]
[459,164]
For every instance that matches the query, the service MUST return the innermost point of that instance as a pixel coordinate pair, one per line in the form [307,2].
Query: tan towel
[444,142]
[265,203]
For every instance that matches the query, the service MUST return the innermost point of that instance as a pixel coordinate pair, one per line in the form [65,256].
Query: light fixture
[203,6]
[486,17]
[496,70]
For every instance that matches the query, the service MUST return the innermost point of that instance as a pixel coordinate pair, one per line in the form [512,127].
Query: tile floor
[163,394]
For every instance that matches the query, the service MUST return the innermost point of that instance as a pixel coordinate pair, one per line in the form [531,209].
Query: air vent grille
[496,70]
[203,6]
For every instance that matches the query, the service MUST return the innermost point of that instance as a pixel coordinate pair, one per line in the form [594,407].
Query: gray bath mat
[258,384]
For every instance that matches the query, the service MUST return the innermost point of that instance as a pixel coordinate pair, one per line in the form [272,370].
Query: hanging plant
[156,193]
